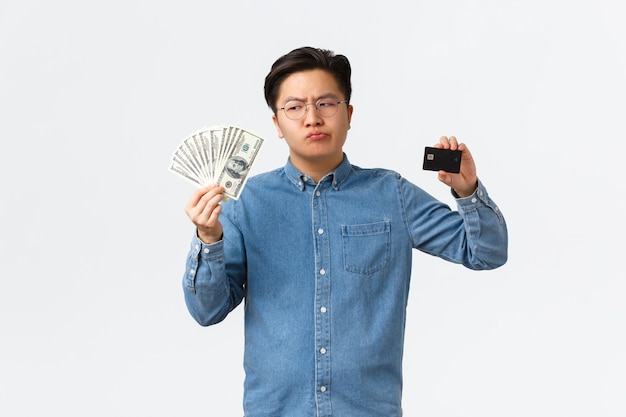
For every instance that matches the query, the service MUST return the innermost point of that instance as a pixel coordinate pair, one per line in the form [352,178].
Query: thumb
[445,177]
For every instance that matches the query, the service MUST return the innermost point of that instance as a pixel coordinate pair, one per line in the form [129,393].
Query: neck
[316,170]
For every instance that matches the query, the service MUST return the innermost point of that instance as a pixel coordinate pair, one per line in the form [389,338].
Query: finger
[463,147]
[200,198]
[210,201]
[214,216]
[195,197]
[445,177]
[454,144]
[446,142]
[466,154]
[443,143]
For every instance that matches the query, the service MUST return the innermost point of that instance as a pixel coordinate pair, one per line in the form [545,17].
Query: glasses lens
[326,107]
[295,109]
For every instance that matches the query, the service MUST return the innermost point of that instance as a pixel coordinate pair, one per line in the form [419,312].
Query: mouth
[316,135]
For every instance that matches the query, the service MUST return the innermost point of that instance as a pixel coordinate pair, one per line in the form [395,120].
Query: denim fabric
[325,271]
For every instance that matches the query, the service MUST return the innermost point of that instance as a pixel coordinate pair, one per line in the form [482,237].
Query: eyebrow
[325,95]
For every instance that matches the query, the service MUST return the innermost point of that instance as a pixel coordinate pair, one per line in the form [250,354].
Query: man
[322,252]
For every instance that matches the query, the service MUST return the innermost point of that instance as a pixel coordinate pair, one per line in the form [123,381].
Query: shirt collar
[337,176]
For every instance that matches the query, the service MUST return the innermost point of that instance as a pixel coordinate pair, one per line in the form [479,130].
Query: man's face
[315,142]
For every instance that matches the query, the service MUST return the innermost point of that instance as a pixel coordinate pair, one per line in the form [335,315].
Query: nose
[312,117]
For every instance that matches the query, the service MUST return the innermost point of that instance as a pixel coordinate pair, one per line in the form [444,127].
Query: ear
[350,110]
[280,132]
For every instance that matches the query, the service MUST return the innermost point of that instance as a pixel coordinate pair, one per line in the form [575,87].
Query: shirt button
[320,231]
[323,309]
[317,193]
[197,247]
[323,388]
[474,200]
[322,271]
[323,351]
[192,271]
[207,250]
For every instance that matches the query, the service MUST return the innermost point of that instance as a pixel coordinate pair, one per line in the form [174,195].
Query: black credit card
[436,159]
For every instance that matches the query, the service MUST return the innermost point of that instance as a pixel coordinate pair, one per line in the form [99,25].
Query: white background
[95,96]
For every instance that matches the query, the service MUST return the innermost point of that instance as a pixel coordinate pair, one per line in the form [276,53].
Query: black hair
[303,59]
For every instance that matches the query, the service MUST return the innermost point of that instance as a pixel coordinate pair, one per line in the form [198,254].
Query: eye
[293,106]
[326,103]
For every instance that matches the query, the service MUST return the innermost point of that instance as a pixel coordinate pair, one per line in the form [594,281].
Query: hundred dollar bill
[179,164]
[237,166]
[222,154]
[218,136]
[192,155]
[176,169]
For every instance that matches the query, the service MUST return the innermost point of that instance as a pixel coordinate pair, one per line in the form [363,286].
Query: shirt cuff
[479,194]
[211,250]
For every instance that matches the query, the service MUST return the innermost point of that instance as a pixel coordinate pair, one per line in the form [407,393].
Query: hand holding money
[219,154]
[203,209]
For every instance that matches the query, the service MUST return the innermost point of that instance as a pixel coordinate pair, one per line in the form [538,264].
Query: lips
[316,135]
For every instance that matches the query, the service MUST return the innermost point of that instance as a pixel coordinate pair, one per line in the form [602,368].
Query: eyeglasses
[325,107]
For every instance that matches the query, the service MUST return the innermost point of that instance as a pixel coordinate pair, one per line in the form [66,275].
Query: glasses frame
[306,108]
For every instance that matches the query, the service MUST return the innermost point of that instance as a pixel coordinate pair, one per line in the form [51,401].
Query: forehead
[308,85]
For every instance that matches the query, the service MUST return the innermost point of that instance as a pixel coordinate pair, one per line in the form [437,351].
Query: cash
[220,154]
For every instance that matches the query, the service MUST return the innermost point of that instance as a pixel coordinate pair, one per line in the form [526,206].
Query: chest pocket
[366,247]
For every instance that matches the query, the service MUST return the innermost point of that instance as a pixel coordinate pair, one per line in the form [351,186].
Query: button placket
[322,298]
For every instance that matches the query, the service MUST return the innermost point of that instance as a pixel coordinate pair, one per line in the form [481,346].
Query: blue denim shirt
[325,270]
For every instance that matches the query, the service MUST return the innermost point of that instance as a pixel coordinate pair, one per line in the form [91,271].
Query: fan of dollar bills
[219,154]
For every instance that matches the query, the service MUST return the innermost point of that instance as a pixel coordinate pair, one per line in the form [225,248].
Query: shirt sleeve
[485,229]
[210,295]
[475,235]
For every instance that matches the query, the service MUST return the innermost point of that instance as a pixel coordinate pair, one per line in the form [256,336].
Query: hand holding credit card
[436,159]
